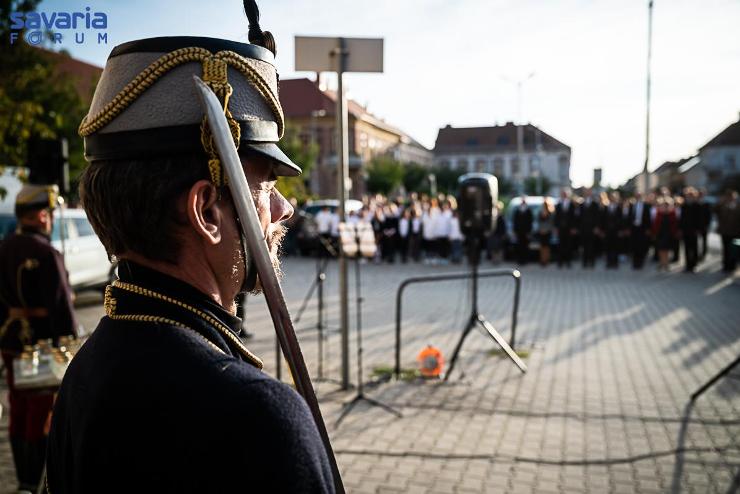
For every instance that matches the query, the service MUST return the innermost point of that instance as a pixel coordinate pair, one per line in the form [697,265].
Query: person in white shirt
[428,219]
[456,238]
[404,233]
[442,225]
[415,234]
[323,221]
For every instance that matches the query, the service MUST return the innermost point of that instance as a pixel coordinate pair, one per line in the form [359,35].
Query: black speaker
[47,163]
[476,201]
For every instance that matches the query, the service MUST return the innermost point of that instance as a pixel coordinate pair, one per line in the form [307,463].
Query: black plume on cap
[256,35]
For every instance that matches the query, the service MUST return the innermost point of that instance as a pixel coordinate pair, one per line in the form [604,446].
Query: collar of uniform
[204,319]
[32,230]
[130,272]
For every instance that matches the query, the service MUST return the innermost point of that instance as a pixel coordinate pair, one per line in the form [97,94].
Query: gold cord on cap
[215,68]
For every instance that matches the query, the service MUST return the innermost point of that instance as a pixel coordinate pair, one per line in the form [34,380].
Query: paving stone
[614,357]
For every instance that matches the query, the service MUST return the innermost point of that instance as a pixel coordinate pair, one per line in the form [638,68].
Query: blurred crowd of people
[418,228]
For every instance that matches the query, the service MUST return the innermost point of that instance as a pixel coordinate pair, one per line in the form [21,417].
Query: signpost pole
[340,55]
[342,172]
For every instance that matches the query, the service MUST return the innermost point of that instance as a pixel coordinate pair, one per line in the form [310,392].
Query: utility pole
[647,112]
[519,128]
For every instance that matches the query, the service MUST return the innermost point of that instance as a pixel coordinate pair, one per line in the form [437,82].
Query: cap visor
[284,167]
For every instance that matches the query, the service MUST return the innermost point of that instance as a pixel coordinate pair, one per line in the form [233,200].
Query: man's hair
[132,204]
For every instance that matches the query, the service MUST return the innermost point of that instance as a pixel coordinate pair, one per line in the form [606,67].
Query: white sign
[317,54]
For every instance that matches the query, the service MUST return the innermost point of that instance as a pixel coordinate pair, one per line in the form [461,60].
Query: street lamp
[519,128]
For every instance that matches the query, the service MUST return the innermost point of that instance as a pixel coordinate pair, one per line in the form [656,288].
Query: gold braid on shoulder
[214,74]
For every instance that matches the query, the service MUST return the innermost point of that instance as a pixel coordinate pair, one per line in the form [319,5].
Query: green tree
[302,154]
[447,179]
[416,178]
[36,102]
[505,187]
[537,186]
[384,174]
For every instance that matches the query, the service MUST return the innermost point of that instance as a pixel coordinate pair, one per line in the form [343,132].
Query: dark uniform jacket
[565,218]
[590,214]
[611,219]
[692,218]
[523,221]
[33,281]
[164,397]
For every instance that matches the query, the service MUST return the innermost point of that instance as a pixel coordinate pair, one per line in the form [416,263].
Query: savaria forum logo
[62,26]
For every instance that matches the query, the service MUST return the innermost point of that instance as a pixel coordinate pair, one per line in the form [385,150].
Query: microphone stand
[360,396]
[318,287]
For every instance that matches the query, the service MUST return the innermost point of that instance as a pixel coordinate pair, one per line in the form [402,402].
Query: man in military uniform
[164,396]
[35,304]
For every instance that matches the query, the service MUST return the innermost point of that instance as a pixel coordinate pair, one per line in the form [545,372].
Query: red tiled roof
[728,137]
[301,97]
[498,138]
[670,166]
[84,75]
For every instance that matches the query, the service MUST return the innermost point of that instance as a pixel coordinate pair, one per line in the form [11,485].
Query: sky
[452,62]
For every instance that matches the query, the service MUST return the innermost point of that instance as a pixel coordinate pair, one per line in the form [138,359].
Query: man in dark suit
[565,223]
[390,237]
[611,225]
[640,222]
[523,221]
[706,221]
[165,396]
[691,223]
[590,217]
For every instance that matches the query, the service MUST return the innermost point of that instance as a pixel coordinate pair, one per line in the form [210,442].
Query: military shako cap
[145,104]
[33,197]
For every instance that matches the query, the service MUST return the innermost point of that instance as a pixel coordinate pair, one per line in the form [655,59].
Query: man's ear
[204,214]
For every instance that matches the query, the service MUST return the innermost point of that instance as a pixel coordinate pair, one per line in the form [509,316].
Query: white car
[84,256]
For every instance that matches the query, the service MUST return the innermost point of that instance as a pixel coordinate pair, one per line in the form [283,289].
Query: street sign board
[319,54]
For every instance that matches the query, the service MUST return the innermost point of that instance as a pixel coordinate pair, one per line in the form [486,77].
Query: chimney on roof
[318,80]
[509,124]
[448,126]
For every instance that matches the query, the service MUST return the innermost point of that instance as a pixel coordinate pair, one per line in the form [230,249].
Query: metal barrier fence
[514,273]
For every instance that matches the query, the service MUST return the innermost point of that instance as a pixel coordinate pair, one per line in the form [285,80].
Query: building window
[502,141]
[563,168]
[444,164]
[462,164]
[730,162]
[515,166]
[498,167]
[480,165]
[472,142]
[534,164]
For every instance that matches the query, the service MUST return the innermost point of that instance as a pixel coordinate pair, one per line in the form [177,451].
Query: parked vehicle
[84,256]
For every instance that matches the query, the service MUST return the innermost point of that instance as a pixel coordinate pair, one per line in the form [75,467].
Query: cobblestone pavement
[613,359]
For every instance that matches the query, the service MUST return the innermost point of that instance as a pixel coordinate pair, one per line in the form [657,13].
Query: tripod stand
[318,287]
[477,319]
[360,396]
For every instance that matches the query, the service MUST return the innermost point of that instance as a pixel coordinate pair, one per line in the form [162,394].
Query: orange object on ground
[430,361]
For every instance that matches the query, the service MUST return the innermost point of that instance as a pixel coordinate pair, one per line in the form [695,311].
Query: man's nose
[280,208]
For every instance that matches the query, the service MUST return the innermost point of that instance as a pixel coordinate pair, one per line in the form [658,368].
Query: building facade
[720,158]
[312,111]
[512,152]
[714,167]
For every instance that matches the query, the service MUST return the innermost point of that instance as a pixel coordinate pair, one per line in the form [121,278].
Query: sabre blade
[258,249]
